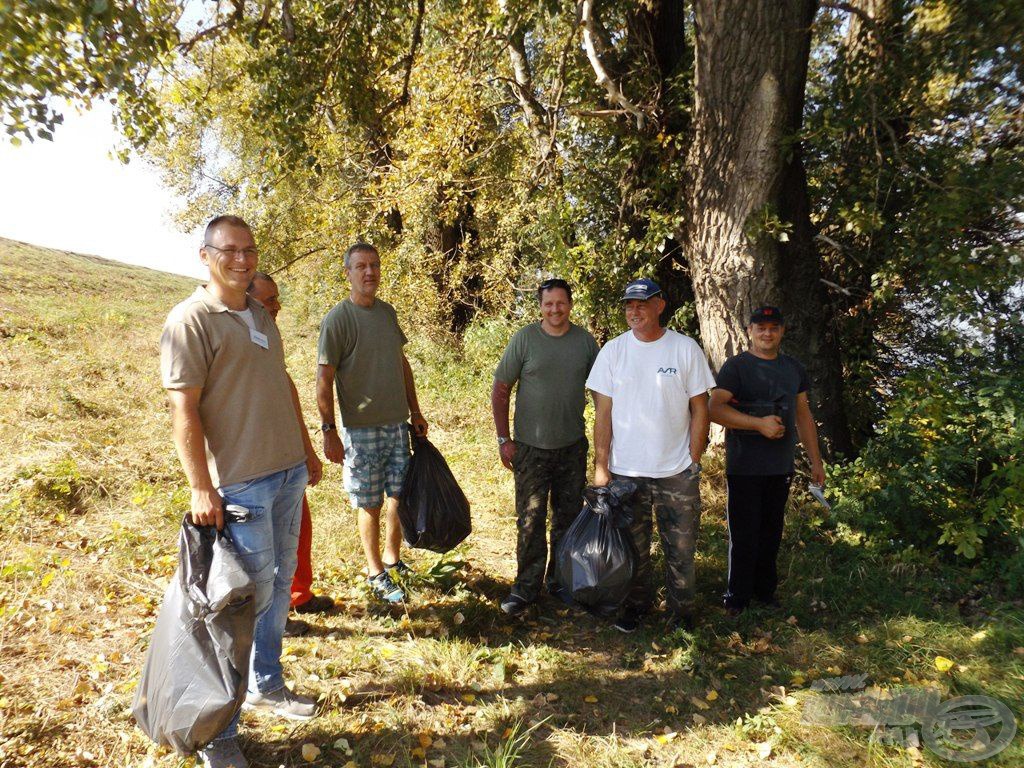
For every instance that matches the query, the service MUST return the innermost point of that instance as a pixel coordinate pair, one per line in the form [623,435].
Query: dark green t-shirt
[762,388]
[364,345]
[551,372]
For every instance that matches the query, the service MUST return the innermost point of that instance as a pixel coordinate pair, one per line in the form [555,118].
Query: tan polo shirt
[246,406]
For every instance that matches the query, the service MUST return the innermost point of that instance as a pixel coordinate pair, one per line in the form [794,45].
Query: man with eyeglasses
[549,361]
[239,435]
[650,387]
[263,288]
[360,355]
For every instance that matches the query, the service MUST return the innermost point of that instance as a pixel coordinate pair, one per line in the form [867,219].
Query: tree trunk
[751,238]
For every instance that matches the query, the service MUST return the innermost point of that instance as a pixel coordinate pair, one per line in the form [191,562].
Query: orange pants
[303,578]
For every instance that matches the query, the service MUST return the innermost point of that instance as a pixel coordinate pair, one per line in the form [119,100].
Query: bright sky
[70,194]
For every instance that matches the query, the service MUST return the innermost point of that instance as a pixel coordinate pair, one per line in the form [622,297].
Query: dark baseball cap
[766,314]
[641,290]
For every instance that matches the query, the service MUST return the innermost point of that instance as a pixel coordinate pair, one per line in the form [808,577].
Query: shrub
[945,468]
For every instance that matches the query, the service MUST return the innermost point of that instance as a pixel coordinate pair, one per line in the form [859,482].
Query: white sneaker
[282,703]
[223,753]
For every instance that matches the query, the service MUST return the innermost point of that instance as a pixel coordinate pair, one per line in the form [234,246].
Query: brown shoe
[296,628]
[315,604]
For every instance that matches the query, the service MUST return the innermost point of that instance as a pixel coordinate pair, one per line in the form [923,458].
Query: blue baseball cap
[641,290]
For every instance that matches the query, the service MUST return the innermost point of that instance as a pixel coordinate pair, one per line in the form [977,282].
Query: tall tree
[751,240]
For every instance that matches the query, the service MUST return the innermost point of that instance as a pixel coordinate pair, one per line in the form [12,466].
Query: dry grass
[91,496]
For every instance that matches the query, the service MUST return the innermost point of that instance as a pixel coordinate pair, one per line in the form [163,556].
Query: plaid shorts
[375,462]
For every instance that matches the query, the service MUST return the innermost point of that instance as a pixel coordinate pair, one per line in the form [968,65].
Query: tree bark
[751,239]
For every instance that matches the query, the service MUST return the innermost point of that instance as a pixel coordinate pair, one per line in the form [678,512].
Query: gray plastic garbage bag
[432,508]
[596,558]
[196,671]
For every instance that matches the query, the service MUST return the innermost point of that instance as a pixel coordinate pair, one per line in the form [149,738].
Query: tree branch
[417,37]
[866,19]
[615,94]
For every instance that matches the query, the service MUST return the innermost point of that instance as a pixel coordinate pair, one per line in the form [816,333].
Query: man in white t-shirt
[650,387]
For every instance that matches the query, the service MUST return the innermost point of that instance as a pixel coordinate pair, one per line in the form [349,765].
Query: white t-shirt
[247,318]
[650,384]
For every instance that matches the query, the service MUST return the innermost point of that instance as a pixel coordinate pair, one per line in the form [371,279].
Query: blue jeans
[267,541]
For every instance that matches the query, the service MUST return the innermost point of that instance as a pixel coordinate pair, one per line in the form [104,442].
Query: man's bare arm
[419,424]
[808,433]
[602,437]
[722,413]
[334,451]
[501,397]
[700,424]
[190,442]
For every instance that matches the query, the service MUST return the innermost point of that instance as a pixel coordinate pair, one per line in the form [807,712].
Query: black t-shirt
[762,388]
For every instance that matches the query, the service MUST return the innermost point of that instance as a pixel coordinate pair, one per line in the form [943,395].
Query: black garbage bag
[433,510]
[596,558]
[197,668]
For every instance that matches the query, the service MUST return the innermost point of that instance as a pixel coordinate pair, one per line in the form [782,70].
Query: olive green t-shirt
[551,372]
[364,345]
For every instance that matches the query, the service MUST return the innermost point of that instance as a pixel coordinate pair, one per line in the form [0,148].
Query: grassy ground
[91,497]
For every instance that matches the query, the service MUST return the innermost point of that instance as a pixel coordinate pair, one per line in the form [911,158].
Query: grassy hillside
[91,496]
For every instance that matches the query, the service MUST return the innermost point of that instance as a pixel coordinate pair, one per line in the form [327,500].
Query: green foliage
[946,467]
[80,51]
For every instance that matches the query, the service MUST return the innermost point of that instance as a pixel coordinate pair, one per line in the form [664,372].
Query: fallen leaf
[459,618]
[590,699]
[342,744]
[699,703]
[379,758]
[764,750]
[943,664]
[862,638]
[671,710]
[907,638]
[1019,650]
[310,752]
[698,719]
[711,757]
[418,753]
[469,698]
[792,620]
[425,740]
[665,738]
[712,695]
[551,697]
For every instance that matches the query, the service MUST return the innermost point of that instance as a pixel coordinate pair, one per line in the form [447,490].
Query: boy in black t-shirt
[761,400]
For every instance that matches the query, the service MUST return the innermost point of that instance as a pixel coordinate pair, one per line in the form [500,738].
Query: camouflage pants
[675,502]
[540,474]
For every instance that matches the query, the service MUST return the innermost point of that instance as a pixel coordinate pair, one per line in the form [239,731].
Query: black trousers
[756,508]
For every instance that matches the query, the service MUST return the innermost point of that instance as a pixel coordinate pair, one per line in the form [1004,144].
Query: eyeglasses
[244,251]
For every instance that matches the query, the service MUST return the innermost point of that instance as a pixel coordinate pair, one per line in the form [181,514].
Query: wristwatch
[328,427]
[503,440]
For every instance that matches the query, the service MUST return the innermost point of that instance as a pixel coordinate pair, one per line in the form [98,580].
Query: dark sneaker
[513,605]
[627,622]
[384,588]
[399,569]
[282,703]
[315,604]
[223,753]
[296,628]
